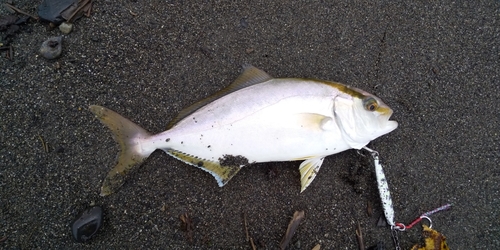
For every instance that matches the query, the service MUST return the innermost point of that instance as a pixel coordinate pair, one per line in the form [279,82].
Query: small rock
[87,224]
[243,23]
[65,27]
[52,47]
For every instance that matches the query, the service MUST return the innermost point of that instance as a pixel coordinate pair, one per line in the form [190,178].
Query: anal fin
[308,171]
[221,173]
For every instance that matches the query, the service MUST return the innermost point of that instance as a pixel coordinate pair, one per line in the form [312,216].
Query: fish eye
[370,104]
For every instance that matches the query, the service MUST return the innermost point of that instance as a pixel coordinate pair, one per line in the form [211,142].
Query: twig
[246,225]
[246,231]
[87,12]
[44,144]
[252,244]
[84,2]
[20,11]
[4,238]
[11,53]
[359,236]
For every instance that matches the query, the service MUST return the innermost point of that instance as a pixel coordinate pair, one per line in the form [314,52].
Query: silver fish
[256,119]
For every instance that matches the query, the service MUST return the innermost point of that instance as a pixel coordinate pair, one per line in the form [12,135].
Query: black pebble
[243,23]
[87,224]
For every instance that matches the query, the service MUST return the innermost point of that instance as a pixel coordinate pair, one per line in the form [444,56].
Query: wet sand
[436,64]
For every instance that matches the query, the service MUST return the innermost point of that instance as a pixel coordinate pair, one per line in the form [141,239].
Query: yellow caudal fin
[308,171]
[128,135]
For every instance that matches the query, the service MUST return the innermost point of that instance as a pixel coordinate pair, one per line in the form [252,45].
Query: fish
[256,119]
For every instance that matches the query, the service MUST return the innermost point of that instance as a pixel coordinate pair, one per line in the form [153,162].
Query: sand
[435,63]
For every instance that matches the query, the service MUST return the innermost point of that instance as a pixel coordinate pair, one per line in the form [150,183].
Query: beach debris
[50,10]
[369,208]
[10,51]
[9,25]
[87,223]
[45,145]
[359,237]
[249,238]
[10,31]
[8,8]
[298,216]
[433,240]
[187,226]
[6,21]
[58,11]
[12,9]
[66,27]
[75,11]
[317,247]
[132,13]
[52,47]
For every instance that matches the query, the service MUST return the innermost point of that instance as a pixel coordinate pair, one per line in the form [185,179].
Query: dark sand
[436,64]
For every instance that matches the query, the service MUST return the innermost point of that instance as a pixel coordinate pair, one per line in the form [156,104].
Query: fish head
[362,117]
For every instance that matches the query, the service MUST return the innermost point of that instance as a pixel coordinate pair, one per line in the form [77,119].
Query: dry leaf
[298,216]
[433,240]
[187,225]
[317,247]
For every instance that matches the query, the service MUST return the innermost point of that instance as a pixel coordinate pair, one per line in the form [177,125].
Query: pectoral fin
[308,171]
[314,121]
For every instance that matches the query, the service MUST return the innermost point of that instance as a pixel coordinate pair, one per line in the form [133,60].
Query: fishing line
[385,197]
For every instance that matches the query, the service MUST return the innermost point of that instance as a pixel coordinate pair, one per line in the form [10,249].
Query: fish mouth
[385,123]
[391,125]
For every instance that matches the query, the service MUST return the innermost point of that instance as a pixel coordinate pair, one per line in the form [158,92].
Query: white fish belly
[261,144]
[275,122]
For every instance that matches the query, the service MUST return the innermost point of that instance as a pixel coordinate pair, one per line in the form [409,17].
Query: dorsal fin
[250,76]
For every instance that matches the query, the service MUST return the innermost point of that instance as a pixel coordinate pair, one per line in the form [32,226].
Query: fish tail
[129,136]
